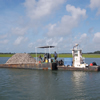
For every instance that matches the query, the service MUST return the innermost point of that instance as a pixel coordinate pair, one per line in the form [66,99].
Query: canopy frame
[44,47]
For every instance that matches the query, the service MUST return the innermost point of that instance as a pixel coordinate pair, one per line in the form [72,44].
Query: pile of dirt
[21,58]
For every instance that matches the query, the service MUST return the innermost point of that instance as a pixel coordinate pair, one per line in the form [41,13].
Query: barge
[76,63]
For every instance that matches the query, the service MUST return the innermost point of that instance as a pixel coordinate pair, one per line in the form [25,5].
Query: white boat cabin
[78,60]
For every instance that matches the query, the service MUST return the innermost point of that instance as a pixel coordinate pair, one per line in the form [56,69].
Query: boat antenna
[75,45]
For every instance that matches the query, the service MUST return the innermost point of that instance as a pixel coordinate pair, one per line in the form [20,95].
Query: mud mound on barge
[21,58]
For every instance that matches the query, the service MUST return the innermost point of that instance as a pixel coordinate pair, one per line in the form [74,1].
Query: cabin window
[76,52]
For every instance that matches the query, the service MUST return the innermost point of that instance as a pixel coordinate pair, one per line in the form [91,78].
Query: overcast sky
[26,24]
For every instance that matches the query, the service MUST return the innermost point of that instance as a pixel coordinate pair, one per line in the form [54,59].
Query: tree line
[96,52]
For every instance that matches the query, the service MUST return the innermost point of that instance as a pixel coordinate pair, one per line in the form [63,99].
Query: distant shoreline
[60,55]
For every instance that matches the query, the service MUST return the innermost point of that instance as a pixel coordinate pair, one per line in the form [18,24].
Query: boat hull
[92,68]
[49,66]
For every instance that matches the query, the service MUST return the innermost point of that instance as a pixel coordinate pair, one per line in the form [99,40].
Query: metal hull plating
[49,66]
[93,68]
[44,66]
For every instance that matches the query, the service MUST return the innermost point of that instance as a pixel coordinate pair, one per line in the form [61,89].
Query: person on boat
[48,56]
[45,57]
[61,62]
[40,58]
[55,55]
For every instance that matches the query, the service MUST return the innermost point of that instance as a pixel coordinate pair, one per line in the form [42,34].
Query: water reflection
[79,79]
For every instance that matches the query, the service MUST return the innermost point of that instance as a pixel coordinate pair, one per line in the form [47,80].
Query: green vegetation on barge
[60,55]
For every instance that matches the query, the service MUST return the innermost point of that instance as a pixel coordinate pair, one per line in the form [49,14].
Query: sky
[26,24]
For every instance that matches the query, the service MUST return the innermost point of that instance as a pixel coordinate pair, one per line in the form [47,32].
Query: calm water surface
[25,84]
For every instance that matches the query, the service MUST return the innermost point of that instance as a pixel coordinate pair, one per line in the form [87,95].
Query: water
[25,84]
[3,59]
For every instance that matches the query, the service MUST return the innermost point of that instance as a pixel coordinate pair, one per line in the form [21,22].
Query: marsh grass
[60,55]
[6,55]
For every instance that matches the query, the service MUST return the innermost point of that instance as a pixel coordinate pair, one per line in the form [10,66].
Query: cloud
[41,8]
[95,4]
[76,12]
[30,45]
[46,41]
[54,41]
[67,22]
[5,41]
[19,40]
[96,38]
[3,36]
[83,36]
[19,31]
[62,45]
[83,39]
[91,30]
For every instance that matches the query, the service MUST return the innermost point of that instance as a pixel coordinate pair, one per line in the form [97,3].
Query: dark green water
[25,84]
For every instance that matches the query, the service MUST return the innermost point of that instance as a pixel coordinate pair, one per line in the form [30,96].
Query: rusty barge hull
[28,66]
[49,66]
[93,68]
